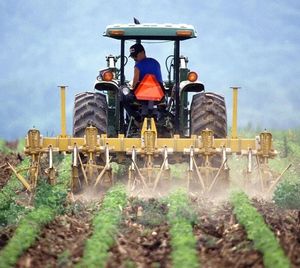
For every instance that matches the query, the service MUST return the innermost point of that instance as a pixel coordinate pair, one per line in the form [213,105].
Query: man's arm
[136,76]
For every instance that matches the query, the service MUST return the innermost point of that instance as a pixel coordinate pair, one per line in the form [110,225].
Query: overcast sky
[253,44]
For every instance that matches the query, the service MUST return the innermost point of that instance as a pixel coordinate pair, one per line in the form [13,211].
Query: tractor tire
[89,109]
[208,110]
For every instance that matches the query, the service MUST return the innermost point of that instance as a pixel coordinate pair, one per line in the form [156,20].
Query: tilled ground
[144,241]
[5,172]
[6,234]
[285,224]
[221,241]
[61,242]
[144,237]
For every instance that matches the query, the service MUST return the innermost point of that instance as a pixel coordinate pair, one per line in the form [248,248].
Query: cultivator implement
[150,157]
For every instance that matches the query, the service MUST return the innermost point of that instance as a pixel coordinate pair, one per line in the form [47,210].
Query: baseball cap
[135,49]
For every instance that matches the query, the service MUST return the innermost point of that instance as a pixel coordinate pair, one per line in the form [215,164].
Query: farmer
[143,65]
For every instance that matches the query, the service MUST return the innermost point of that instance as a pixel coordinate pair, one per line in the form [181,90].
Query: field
[116,228]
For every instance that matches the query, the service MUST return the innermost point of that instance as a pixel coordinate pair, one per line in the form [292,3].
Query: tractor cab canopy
[151,31]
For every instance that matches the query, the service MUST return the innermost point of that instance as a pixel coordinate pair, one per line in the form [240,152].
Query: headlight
[107,75]
[125,90]
[192,76]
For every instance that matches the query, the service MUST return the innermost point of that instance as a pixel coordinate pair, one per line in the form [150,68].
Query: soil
[285,224]
[61,242]
[221,241]
[6,233]
[5,172]
[143,239]
[12,144]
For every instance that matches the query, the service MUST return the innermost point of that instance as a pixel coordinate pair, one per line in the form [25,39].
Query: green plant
[3,148]
[105,225]
[129,264]
[54,196]
[153,212]
[178,170]
[13,214]
[118,169]
[287,194]
[49,201]
[8,196]
[183,242]
[263,238]
[26,233]
[64,259]
[21,145]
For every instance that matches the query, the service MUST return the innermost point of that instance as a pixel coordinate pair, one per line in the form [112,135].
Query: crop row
[183,242]
[9,210]
[257,231]
[6,150]
[105,225]
[49,201]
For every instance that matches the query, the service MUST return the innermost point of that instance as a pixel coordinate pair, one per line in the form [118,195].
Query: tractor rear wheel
[89,109]
[208,111]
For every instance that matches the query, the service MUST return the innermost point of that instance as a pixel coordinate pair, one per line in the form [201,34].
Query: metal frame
[150,147]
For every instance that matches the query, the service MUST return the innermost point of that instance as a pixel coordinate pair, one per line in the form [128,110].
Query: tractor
[185,124]
[172,114]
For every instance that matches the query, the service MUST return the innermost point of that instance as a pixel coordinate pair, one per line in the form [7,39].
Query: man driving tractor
[143,66]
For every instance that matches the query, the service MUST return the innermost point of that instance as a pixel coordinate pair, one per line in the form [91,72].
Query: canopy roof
[152,31]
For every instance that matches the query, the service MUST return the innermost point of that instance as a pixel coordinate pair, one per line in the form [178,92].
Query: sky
[252,44]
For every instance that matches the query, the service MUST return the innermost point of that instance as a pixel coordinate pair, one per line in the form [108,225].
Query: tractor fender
[107,85]
[187,86]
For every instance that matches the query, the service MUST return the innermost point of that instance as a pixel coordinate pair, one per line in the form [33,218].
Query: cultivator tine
[261,179]
[134,168]
[131,175]
[278,179]
[106,168]
[51,170]
[191,167]
[216,177]
[34,169]
[20,177]
[198,174]
[224,157]
[249,165]
[75,156]
[141,176]
[83,170]
[192,164]
[75,173]
[164,166]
